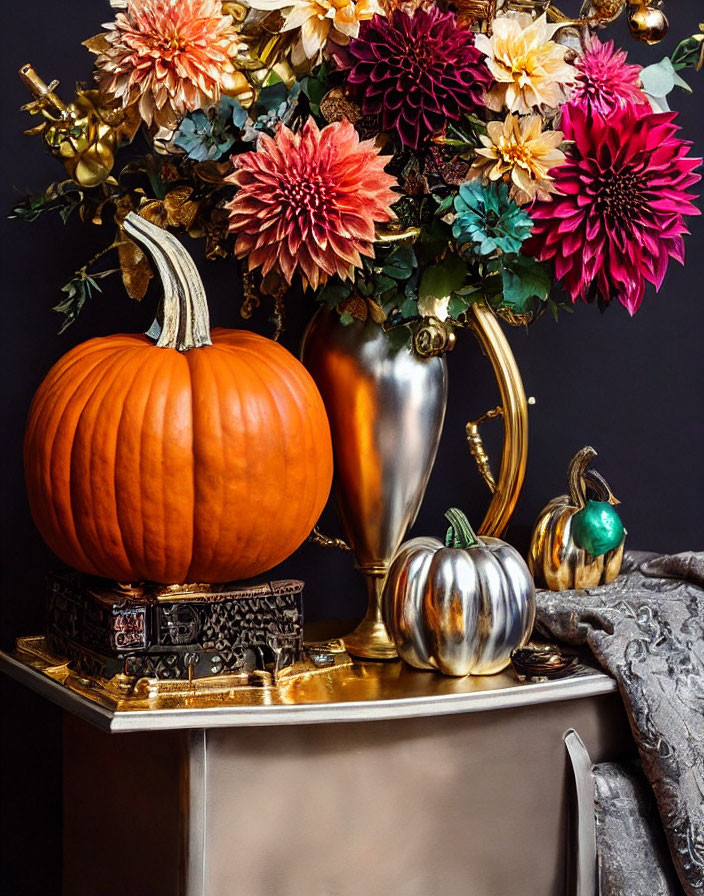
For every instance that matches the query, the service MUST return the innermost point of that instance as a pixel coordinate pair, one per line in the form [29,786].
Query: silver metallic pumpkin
[461,607]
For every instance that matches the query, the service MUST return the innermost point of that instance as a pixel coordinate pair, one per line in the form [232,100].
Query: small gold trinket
[541,663]
[647,24]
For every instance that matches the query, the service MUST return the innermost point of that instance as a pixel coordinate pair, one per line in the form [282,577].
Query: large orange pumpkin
[188,461]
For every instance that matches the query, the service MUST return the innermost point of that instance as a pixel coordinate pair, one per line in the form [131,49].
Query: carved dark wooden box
[173,633]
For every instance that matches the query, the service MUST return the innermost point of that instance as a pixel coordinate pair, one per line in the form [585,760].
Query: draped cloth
[647,630]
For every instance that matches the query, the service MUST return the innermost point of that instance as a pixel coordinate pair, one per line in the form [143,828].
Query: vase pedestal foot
[370,640]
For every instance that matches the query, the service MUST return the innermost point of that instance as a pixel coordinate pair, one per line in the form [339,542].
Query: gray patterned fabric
[647,630]
[630,843]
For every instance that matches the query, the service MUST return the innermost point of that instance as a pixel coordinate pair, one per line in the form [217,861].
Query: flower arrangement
[401,159]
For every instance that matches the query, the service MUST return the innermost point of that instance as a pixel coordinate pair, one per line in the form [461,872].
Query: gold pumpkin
[555,560]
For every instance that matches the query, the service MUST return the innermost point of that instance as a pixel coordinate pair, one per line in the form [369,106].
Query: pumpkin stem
[576,476]
[460,534]
[186,321]
[600,487]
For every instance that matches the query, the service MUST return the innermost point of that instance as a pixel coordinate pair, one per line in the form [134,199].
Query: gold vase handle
[506,488]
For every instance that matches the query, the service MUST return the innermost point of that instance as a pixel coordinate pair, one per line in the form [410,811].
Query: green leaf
[346,318]
[400,263]
[409,308]
[441,280]
[384,284]
[334,292]
[78,290]
[687,53]
[524,279]
[63,197]
[458,305]
[399,337]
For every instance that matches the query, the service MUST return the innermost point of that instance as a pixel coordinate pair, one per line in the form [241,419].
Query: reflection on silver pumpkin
[459,610]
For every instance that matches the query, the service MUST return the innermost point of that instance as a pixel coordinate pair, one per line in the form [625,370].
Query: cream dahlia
[605,80]
[308,202]
[170,55]
[529,67]
[618,216]
[518,152]
[320,21]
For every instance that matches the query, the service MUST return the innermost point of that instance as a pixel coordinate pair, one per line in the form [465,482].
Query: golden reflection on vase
[386,408]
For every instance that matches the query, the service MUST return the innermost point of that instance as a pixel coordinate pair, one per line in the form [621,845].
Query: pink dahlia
[309,202]
[171,55]
[417,72]
[618,216]
[605,80]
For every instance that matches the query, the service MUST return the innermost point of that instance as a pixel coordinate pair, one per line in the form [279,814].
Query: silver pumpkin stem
[186,320]
[460,534]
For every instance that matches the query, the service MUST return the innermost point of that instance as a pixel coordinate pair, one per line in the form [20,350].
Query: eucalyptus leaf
[659,80]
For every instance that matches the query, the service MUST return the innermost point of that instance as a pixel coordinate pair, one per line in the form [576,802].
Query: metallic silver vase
[386,408]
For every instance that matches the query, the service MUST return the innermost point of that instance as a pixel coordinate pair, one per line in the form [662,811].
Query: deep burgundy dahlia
[417,72]
[618,215]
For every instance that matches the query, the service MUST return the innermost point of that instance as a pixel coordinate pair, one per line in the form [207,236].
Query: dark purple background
[632,388]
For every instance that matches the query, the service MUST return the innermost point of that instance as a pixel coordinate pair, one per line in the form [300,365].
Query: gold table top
[349,691]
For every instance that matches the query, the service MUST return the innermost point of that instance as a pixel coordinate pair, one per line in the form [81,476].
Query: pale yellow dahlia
[518,152]
[170,55]
[320,21]
[529,67]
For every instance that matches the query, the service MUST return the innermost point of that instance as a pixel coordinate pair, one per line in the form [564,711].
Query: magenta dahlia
[618,214]
[417,72]
[605,80]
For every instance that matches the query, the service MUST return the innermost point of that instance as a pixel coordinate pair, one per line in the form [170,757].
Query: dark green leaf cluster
[390,279]
[78,290]
[64,197]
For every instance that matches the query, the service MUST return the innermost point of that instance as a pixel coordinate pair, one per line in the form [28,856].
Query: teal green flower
[488,220]
[205,135]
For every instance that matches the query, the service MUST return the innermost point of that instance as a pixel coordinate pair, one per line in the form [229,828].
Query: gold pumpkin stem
[576,476]
[602,488]
[184,320]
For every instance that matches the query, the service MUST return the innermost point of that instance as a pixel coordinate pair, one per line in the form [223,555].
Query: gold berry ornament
[647,23]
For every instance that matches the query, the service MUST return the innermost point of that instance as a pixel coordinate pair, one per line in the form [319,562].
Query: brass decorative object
[556,560]
[460,607]
[647,22]
[386,408]
[85,134]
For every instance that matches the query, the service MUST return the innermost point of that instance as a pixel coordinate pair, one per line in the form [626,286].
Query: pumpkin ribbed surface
[146,463]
